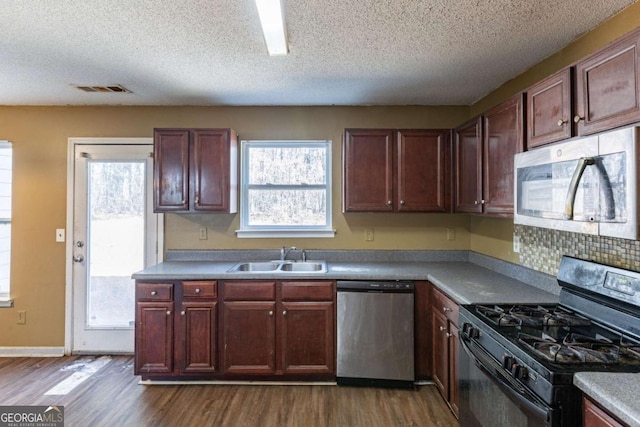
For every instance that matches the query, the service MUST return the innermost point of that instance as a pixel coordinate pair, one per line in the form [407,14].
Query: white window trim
[6,300]
[247,231]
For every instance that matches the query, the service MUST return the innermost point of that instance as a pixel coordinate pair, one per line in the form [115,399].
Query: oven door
[489,396]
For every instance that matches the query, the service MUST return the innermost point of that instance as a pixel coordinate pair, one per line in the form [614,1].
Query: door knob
[78,258]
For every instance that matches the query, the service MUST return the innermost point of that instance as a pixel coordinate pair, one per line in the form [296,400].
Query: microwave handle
[573,185]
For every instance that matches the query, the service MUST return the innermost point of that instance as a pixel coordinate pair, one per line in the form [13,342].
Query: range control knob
[523,373]
[507,362]
[515,370]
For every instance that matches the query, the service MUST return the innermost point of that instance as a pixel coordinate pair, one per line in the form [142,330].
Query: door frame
[71,144]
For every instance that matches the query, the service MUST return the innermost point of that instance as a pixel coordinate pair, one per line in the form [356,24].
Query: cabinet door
[248,337]
[154,337]
[503,138]
[453,367]
[440,355]
[214,183]
[608,87]
[171,170]
[198,338]
[596,417]
[468,164]
[423,171]
[549,117]
[422,328]
[368,170]
[308,338]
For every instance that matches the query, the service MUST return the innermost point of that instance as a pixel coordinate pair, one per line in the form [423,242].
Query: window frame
[269,231]
[5,297]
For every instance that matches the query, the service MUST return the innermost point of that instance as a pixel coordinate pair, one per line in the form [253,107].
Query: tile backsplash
[541,249]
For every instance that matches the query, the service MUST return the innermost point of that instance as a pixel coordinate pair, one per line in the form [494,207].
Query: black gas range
[517,361]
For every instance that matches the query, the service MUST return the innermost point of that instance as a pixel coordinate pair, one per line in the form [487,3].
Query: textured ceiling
[342,52]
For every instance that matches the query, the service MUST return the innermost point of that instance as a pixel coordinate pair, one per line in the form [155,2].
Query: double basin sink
[284,267]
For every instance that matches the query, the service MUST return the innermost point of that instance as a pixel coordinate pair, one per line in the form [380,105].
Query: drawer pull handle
[154,293]
[197,290]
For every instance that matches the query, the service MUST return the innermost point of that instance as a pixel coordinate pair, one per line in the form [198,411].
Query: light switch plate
[59,234]
[516,244]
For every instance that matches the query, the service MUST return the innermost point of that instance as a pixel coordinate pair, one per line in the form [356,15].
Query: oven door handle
[493,370]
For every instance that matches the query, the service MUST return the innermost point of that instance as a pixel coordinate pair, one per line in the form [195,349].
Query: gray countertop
[616,392]
[465,282]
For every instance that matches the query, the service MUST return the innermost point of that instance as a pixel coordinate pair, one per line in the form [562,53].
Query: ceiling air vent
[106,89]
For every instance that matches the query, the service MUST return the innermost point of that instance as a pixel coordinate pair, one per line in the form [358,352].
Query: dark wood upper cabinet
[503,137]
[388,170]
[549,115]
[423,171]
[468,165]
[608,86]
[195,170]
[368,170]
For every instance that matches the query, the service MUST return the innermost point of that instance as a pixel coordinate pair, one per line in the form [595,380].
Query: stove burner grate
[522,315]
[580,349]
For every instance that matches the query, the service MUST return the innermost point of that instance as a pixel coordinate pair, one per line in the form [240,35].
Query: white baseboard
[31,351]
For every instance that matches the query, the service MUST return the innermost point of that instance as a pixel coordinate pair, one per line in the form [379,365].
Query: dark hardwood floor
[112,397]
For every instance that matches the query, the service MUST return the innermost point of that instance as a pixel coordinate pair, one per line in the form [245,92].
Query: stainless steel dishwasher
[375,333]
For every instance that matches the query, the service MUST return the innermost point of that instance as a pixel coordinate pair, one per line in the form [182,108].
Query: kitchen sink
[280,267]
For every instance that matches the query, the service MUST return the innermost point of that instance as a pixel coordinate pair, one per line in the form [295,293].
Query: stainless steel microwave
[586,185]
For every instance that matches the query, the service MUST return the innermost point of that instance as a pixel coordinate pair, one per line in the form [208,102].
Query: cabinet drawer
[154,291]
[445,305]
[199,289]
[307,291]
[252,291]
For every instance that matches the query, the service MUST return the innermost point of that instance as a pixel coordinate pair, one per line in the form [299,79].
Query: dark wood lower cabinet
[445,347]
[248,337]
[595,416]
[199,337]
[252,329]
[307,338]
[154,338]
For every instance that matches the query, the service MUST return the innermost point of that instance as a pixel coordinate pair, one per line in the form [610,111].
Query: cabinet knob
[196,200]
[562,122]
[577,118]
[445,309]
[182,313]
[475,202]
[442,328]
[197,290]
[154,293]
[389,202]
[284,312]
[168,313]
[270,312]
[448,335]
[482,202]
[402,202]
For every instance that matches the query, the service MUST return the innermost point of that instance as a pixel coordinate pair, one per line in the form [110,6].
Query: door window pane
[116,240]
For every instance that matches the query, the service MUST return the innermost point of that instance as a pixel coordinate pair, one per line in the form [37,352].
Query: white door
[115,234]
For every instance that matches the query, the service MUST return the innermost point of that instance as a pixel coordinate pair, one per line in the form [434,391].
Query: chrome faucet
[284,252]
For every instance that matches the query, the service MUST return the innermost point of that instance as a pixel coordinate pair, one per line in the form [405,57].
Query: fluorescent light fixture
[270,12]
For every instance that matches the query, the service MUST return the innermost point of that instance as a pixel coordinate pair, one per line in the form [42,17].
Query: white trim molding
[31,351]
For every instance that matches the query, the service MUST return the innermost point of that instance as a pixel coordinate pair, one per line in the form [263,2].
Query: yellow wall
[40,138]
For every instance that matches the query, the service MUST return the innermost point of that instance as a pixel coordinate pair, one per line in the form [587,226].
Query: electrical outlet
[203,234]
[451,234]
[368,234]
[516,244]
[59,234]
[22,317]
